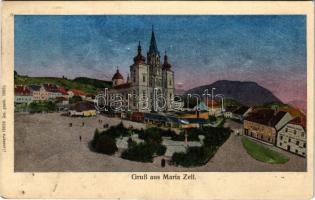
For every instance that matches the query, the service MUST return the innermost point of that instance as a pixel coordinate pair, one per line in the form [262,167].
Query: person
[70,124]
[80,138]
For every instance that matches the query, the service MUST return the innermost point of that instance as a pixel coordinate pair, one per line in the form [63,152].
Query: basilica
[151,83]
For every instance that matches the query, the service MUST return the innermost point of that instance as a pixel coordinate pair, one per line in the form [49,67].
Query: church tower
[139,75]
[168,82]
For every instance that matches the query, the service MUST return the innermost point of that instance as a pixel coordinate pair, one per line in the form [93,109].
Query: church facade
[150,85]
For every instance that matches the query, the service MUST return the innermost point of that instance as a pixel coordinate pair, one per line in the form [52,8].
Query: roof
[201,106]
[162,118]
[299,121]
[267,117]
[34,87]
[21,90]
[77,92]
[121,86]
[117,75]
[83,106]
[241,110]
[51,88]
[196,120]
[62,90]
[153,47]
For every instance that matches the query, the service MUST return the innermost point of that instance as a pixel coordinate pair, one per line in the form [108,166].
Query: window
[280,144]
[296,151]
[289,139]
[143,78]
[281,137]
[170,82]
[304,145]
[294,132]
[286,130]
[297,142]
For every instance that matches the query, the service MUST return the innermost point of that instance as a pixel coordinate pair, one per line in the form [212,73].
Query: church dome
[117,75]
[139,59]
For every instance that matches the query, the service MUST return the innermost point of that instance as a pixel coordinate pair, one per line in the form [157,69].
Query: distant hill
[246,93]
[87,85]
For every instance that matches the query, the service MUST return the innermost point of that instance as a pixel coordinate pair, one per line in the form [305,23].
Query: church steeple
[153,55]
[153,47]
[166,64]
[139,59]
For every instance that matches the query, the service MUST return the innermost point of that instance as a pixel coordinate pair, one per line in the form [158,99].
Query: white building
[292,137]
[148,80]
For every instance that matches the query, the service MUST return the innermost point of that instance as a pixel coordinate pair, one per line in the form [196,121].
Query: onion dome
[117,75]
[139,59]
[166,65]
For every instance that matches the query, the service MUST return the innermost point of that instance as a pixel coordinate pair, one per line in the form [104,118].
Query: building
[53,91]
[83,109]
[241,112]
[39,93]
[292,137]
[63,91]
[22,94]
[263,124]
[74,92]
[149,79]
[62,103]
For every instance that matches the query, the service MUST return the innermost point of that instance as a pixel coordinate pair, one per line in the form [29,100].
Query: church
[150,85]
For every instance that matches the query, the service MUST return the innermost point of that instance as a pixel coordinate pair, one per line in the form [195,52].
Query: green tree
[75,99]
[106,145]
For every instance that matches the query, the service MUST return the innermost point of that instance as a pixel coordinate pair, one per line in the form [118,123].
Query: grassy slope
[90,86]
[263,154]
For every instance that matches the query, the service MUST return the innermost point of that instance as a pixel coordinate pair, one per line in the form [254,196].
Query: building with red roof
[22,94]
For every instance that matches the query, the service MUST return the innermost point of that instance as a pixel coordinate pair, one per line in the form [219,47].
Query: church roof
[121,86]
[117,75]
[153,47]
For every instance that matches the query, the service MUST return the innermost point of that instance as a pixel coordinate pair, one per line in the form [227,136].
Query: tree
[106,145]
[75,99]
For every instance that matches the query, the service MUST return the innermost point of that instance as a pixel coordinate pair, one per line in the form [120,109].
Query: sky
[267,49]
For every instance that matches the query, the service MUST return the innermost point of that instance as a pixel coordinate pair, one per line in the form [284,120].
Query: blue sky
[270,50]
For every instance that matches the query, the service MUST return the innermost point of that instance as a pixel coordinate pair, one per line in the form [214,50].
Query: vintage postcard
[167,100]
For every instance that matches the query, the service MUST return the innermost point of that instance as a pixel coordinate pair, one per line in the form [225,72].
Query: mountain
[246,93]
[87,85]
[179,91]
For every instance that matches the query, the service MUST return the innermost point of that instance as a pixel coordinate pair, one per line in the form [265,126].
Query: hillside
[246,93]
[87,85]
